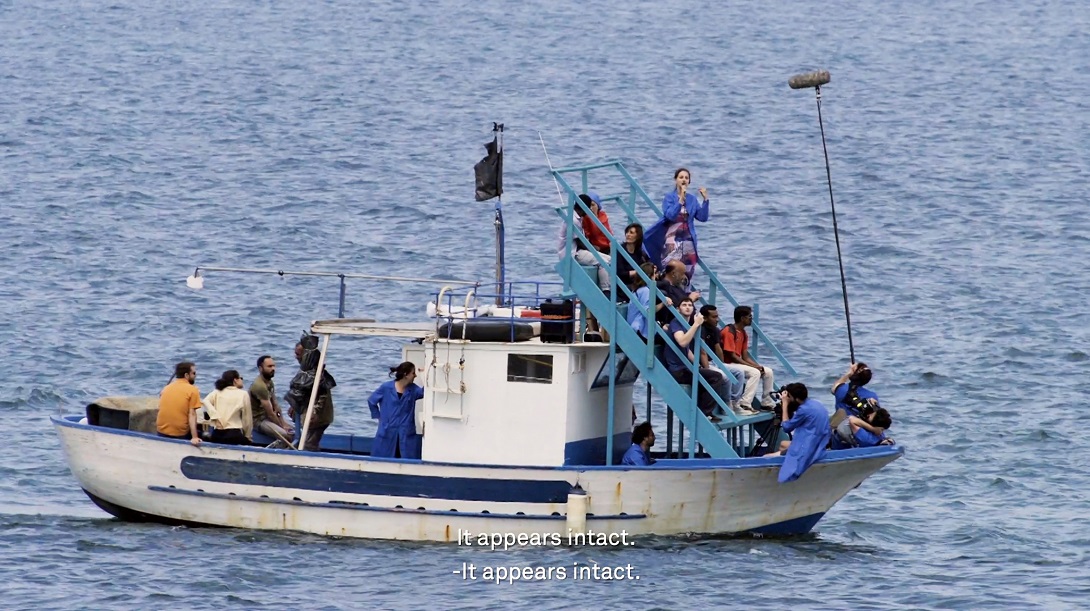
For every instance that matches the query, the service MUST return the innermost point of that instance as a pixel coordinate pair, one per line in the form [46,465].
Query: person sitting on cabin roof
[681,369]
[709,332]
[178,405]
[855,432]
[581,248]
[852,399]
[229,410]
[808,419]
[639,453]
[736,349]
[674,285]
[636,319]
[266,415]
[633,245]
[394,404]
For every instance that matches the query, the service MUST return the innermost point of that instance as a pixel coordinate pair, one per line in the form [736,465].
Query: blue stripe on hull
[383,484]
[797,526]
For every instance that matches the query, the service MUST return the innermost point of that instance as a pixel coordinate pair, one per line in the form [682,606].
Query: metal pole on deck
[669,431]
[649,402]
[340,310]
[499,228]
[612,322]
[313,393]
[612,393]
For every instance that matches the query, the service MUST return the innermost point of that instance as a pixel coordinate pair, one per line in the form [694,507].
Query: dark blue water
[141,139]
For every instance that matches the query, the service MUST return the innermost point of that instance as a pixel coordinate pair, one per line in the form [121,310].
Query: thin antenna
[549,161]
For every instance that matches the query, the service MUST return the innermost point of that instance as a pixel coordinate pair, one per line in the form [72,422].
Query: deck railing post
[756,336]
[612,392]
[649,402]
[669,429]
[340,310]
[314,393]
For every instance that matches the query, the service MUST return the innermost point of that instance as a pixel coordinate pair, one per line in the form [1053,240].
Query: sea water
[139,140]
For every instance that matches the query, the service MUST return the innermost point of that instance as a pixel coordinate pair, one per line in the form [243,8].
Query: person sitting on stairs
[739,361]
[681,369]
[709,332]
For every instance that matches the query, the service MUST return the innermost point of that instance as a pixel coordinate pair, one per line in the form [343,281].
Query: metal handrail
[342,276]
[715,285]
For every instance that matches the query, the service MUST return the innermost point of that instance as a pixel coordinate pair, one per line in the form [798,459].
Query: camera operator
[867,432]
[808,419]
[852,398]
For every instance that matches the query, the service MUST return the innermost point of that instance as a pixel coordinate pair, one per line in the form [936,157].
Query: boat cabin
[535,401]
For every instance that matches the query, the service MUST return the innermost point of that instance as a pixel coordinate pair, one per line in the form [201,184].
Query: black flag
[489,171]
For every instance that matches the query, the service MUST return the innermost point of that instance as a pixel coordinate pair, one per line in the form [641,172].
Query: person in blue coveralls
[394,404]
[808,420]
[639,453]
[852,398]
[855,432]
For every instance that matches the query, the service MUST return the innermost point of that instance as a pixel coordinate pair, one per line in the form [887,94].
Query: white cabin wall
[588,410]
[494,421]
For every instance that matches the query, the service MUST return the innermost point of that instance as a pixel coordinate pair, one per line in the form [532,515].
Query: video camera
[858,405]
[792,406]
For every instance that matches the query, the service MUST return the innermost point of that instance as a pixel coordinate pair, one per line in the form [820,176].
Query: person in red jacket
[599,240]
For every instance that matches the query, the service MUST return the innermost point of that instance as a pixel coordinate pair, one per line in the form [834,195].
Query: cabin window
[626,371]
[535,368]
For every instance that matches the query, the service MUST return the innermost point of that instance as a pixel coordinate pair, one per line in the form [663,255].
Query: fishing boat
[525,417]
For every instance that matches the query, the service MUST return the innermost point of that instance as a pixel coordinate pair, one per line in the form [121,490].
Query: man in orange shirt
[178,405]
[737,359]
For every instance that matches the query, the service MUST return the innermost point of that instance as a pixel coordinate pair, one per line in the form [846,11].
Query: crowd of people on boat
[235,412]
[667,254]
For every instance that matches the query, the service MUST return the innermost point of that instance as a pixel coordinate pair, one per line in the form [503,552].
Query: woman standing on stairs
[673,237]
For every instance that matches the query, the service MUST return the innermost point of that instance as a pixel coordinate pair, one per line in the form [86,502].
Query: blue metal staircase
[581,282]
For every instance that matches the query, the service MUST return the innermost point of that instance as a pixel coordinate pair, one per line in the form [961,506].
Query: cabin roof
[371,327]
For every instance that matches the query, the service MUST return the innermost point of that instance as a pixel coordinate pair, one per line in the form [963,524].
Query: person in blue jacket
[852,397]
[394,404]
[810,427]
[673,237]
[636,319]
[639,453]
[855,432]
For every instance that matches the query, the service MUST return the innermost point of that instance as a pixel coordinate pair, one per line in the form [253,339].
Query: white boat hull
[144,477]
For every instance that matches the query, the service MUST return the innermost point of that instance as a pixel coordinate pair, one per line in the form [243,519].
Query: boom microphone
[810,79]
[816,80]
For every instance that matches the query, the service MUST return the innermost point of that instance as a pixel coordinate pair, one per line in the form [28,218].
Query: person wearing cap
[594,239]
[673,237]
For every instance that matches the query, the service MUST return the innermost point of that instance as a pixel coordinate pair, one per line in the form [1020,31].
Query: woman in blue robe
[673,237]
[394,404]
